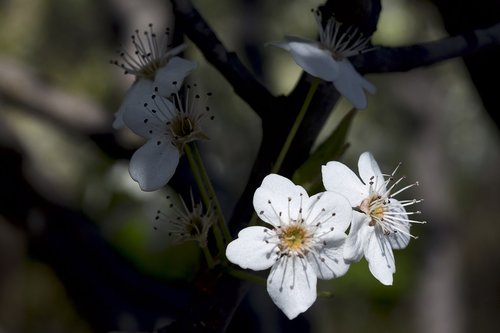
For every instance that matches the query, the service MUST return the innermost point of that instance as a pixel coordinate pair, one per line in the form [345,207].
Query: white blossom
[167,126]
[182,224]
[155,64]
[328,58]
[304,241]
[380,223]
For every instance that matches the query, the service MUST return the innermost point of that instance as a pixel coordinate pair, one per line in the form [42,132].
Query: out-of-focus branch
[462,15]
[102,284]
[397,59]
[21,86]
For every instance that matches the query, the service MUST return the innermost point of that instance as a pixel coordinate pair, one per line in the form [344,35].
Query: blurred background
[77,249]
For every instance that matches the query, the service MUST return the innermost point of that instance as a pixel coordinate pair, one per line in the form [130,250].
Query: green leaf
[309,174]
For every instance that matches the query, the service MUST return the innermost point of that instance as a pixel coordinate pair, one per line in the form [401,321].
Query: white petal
[118,122]
[369,171]
[352,85]
[401,238]
[154,164]
[150,121]
[328,260]
[330,210]
[312,58]
[380,258]
[278,199]
[358,238]
[250,249]
[292,285]
[281,185]
[176,71]
[339,178]
[140,92]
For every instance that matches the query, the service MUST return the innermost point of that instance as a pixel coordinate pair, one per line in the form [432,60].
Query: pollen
[182,126]
[294,238]
[378,212]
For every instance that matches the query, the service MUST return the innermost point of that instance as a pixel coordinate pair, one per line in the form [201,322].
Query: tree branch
[397,59]
[227,63]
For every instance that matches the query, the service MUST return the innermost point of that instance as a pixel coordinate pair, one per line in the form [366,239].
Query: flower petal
[329,210]
[140,91]
[169,78]
[352,85]
[154,164]
[339,178]
[369,171]
[118,122]
[292,285]
[380,258]
[328,261]
[278,199]
[313,59]
[358,237]
[150,121]
[250,249]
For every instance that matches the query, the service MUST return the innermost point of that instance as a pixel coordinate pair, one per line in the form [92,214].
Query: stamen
[148,55]
[404,189]
[341,45]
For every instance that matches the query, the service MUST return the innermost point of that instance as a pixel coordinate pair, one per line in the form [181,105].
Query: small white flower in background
[168,126]
[155,64]
[327,59]
[182,224]
[305,241]
[380,223]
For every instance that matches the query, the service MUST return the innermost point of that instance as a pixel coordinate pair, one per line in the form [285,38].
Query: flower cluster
[155,64]
[159,108]
[307,238]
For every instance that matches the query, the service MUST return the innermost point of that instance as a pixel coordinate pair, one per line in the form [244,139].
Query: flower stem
[211,193]
[208,257]
[293,131]
[242,275]
[204,194]
[325,294]
[296,125]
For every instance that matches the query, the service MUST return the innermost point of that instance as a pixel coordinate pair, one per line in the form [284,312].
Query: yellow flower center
[373,206]
[293,238]
[182,126]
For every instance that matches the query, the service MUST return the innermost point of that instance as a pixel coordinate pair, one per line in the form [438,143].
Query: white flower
[305,241]
[167,126]
[327,59]
[155,64]
[182,224]
[380,223]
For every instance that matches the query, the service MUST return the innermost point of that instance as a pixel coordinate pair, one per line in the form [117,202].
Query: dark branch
[397,59]
[227,63]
